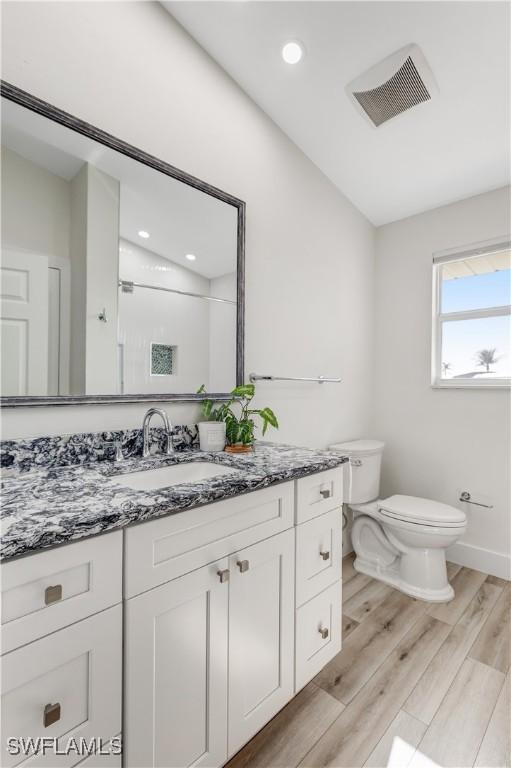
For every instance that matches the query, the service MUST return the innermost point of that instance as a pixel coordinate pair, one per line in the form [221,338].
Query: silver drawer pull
[224,575]
[325,494]
[53,594]
[325,555]
[356,462]
[243,565]
[323,632]
[51,714]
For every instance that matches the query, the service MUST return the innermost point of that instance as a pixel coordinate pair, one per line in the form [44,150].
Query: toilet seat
[417,511]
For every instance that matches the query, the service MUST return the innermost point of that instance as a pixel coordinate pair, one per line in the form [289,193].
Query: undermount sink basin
[175,474]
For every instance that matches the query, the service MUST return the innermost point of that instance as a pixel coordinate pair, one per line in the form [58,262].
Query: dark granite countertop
[51,506]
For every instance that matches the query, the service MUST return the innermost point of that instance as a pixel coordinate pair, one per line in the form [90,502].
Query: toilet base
[390,574]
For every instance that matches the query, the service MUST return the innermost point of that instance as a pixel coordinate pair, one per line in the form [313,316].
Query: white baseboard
[485,560]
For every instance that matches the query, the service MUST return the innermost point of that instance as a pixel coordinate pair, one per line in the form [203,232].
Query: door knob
[51,714]
[325,555]
[323,631]
[325,494]
[243,565]
[53,594]
[223,575]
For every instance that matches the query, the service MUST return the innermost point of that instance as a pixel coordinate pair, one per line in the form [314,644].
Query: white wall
[103,200]
[310,258]
[222,326]
[147,316]
[439,441]
[78,287]
[35,207]
[94,276]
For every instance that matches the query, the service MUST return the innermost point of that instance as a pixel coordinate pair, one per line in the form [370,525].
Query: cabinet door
[261,628]
[176,672]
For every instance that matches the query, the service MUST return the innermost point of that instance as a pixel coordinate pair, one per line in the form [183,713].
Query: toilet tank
[362,473]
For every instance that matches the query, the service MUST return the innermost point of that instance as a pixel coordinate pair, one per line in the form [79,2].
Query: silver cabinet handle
[323,632]
[53,594]
[325,494]
[356,462]
[243,565]
[223,575]
[51,714]
[325,555]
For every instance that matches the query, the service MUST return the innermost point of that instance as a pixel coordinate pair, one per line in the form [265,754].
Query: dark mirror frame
[11,92]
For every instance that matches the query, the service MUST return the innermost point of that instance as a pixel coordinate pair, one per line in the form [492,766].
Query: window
[472,318]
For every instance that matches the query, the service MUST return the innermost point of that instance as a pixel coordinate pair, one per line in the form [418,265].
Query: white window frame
[439,318]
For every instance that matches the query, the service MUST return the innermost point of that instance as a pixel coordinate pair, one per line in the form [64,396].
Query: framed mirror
[122,277]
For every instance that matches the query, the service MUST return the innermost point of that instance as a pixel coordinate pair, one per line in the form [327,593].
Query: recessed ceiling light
[144,234]
[292,52]
[191,256]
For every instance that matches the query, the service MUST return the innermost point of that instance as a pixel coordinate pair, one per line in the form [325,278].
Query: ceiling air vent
[399,82]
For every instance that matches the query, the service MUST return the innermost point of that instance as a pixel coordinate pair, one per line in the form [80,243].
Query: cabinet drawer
[318,555]
[318,634]
[48,590]
[162,550]
[64,686]
[317,494]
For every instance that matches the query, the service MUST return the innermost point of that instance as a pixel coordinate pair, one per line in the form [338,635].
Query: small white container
[212,435]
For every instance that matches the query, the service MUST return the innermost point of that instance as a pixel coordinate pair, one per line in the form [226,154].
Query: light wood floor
[415,685]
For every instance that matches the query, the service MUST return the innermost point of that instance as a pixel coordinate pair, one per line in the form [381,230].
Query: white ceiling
[452,147]
[179,218]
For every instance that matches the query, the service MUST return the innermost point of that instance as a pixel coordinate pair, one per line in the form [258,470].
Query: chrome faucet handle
[118,451]
[117,446]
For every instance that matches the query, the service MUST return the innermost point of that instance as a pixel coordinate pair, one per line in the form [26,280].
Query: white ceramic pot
[212,435]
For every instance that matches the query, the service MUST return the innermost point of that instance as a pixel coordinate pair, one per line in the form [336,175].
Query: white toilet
[400,540]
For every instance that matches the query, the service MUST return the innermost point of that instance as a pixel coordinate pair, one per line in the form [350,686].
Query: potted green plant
[238,417]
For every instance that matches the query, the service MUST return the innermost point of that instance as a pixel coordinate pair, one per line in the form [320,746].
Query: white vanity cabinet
[229,609]
[208,658]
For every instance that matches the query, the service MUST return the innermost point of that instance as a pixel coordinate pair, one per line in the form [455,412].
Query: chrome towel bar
[467,498]
[266,377]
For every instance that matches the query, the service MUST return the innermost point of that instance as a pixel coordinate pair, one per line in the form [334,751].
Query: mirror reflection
[115,278]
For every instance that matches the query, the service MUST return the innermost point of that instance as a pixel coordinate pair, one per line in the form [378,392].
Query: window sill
[471,384]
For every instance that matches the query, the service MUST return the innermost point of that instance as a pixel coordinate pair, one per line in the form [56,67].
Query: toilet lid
[425,511]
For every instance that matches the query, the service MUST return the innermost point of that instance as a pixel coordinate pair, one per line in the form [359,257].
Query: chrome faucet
[146,449]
